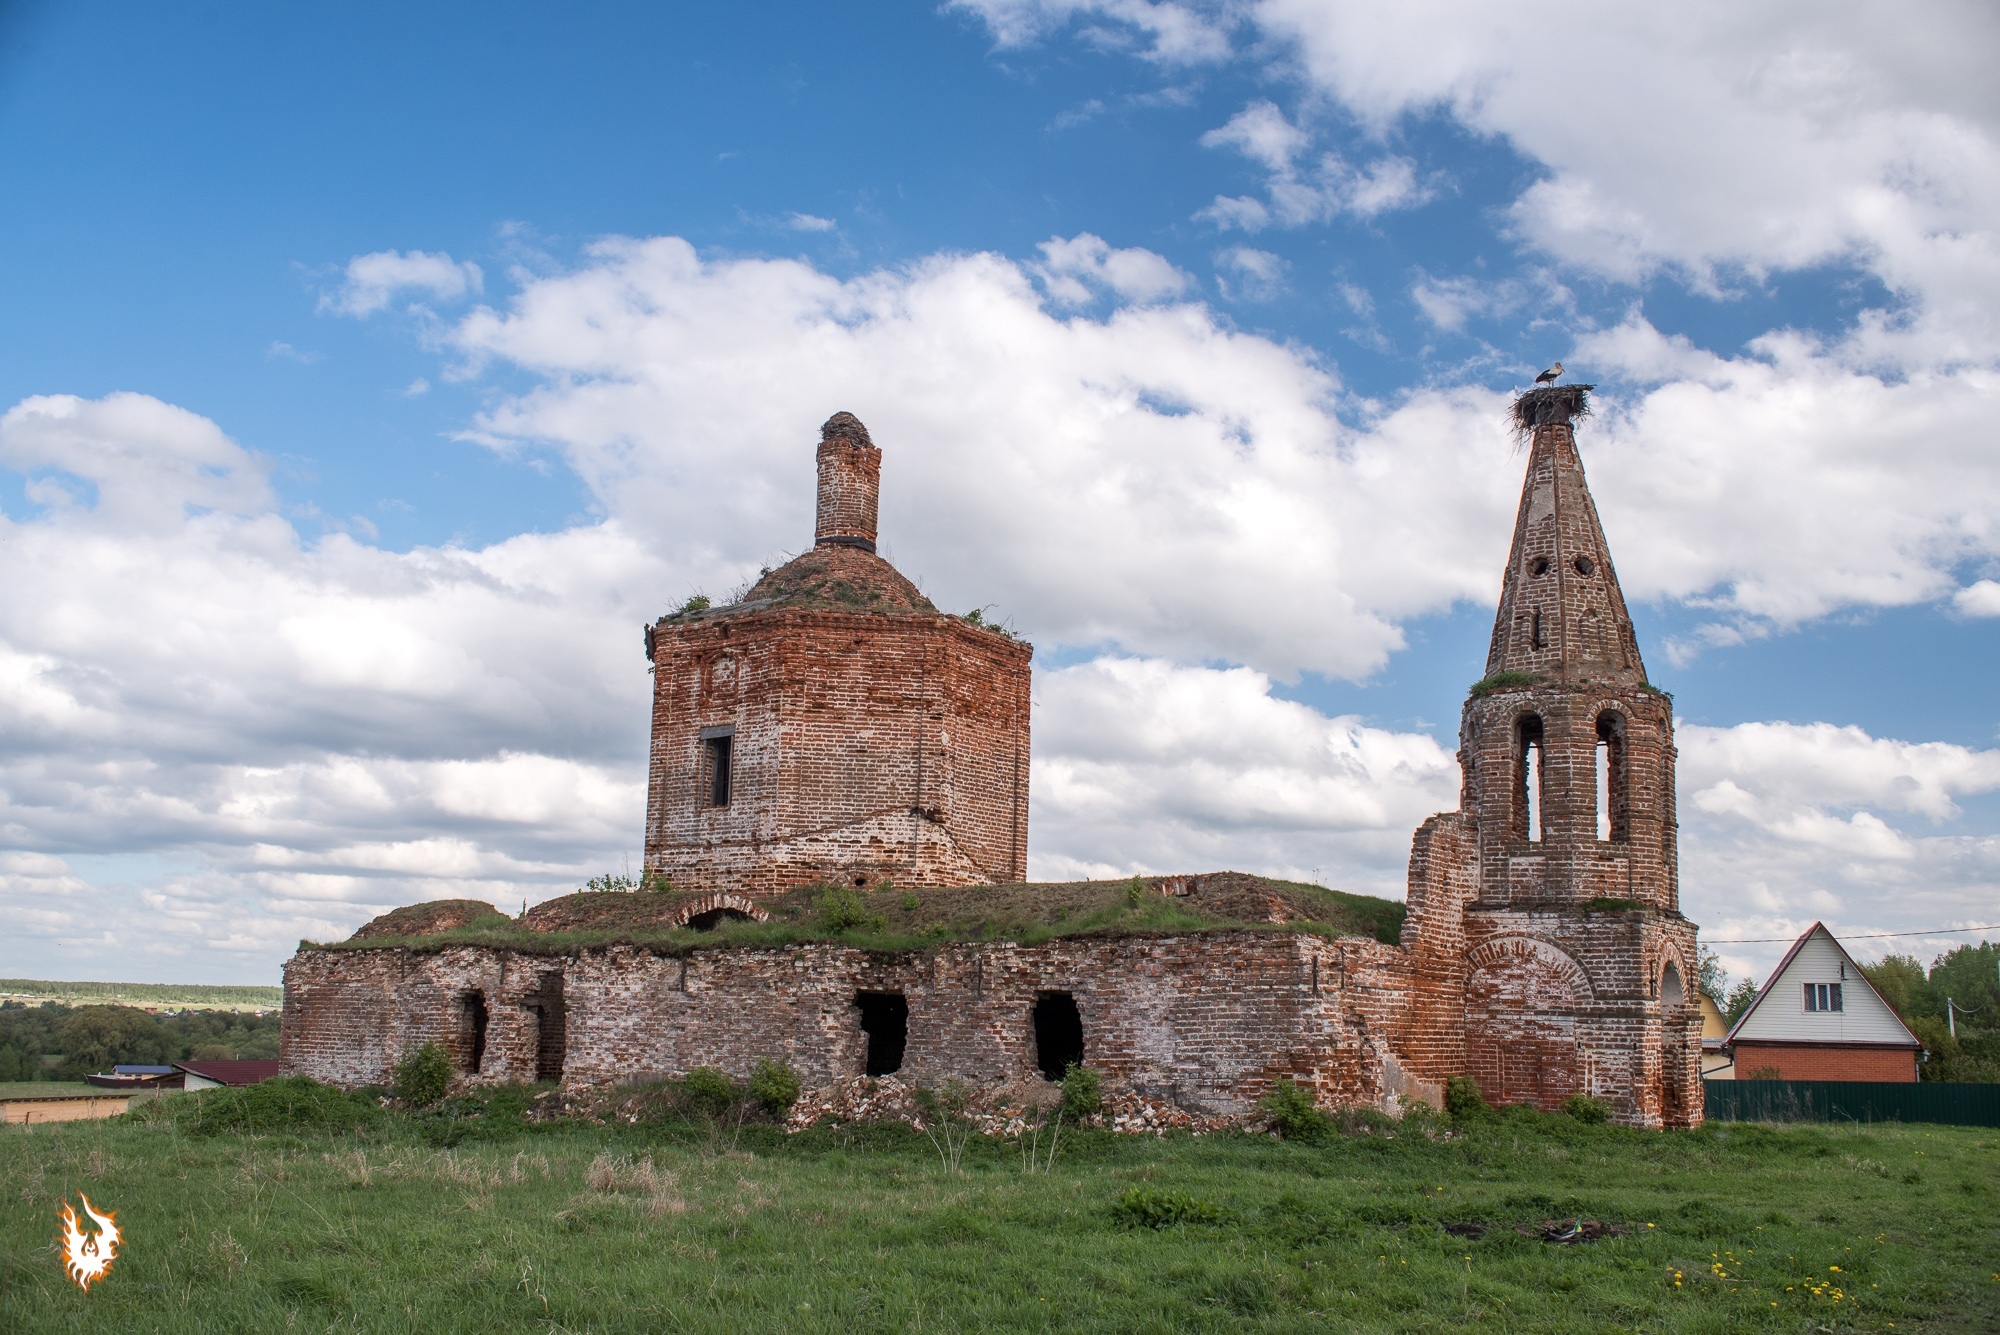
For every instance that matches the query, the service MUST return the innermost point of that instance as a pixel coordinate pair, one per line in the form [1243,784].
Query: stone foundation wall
[1205,1022]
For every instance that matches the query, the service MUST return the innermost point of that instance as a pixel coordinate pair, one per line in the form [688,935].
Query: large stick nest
[1552,403]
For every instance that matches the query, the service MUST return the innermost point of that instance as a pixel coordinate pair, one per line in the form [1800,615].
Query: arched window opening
[885,1020]
[473,1005]
[1528,779]
[1672,995]
[1058,1034]
[714,918]
[1612,804]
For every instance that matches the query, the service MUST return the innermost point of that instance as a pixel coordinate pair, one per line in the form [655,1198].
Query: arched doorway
[1520,1025]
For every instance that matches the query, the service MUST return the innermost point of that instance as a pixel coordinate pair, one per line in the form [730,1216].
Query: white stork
[1550,376]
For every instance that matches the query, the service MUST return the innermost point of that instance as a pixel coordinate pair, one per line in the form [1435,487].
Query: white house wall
[1781,1017]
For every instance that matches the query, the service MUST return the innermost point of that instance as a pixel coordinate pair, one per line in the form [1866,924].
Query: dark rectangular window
[1823,996]
[716,747]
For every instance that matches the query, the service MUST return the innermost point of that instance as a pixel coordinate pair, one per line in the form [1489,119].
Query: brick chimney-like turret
[850,480]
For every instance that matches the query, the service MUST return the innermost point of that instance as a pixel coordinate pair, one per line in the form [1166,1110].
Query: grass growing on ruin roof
[577,1227]
[892,919]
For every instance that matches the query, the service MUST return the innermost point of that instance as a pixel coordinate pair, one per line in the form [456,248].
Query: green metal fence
[1851,1101]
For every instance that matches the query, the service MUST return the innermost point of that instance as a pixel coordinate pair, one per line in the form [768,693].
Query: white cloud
[806,222]
[1711,139]
[1261,133]
[1981,599]
[1782,485]
[181,671]
[127,462]
[371,282]
[1172,34]
[1449,302]
[1784,824]
[1071,267]
[1255,275]
[1143,765]
[325,728]
[1318,191]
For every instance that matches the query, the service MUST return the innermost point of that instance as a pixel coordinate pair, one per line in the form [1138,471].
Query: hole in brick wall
[1536,635]
[474,1005]
[885,1019]
[1672,995]
[1584,565]
[709,921]
[1541,566]
[716,760]
[1058,1034]
[1613,800]
[551,1026]
[1528,779]
[861,882]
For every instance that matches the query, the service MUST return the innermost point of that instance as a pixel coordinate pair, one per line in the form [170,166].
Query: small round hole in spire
[1584,565]
[1541,566]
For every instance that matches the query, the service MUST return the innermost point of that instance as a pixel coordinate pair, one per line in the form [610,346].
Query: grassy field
[439,1225]
[175,996]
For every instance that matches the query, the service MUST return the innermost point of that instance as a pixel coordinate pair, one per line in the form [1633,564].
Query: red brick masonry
[1827,1061]
[1206,1022]
[871,737]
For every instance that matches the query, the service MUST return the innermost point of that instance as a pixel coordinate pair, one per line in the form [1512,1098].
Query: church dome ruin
[834,726]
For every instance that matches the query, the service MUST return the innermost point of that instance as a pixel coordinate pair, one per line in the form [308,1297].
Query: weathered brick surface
[875,738]
[1206,1022]
[1576,957]
[1816,1061]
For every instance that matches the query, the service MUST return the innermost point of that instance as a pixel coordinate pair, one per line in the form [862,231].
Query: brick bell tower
[833,725]
[1550,901]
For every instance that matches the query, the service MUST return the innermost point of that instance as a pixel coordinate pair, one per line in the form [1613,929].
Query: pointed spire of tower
[1562,615]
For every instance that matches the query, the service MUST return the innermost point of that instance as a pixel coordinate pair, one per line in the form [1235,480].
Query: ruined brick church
[833,727]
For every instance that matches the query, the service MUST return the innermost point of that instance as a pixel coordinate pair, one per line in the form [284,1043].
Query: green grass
[1027,913]
[28,1089]
[163,995]
[574,1227]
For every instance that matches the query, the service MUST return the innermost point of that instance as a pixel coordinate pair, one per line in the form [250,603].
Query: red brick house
[1819,1018]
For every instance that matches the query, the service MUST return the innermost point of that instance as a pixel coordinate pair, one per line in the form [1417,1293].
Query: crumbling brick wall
[1204,1021]
[1570,897]
[870,736]
[865,748]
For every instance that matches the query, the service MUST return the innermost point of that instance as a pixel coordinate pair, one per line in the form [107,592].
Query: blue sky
[1256,278]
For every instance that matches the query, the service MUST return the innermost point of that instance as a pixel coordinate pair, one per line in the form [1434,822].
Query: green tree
[15,1064]
[1901,981]
[1710,977]
[1739,1000]
[96,1038]
[1970,976]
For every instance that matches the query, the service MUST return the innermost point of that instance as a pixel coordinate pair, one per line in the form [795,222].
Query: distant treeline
[56,1042]
[145,994]
[1969,978]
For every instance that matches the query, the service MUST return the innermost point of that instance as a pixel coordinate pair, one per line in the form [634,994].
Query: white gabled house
[1819,1018]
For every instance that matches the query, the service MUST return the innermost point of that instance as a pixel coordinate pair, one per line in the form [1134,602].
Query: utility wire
[1842,936]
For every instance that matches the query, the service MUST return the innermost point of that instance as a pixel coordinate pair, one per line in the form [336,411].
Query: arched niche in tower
[1528,809]
[1613,772]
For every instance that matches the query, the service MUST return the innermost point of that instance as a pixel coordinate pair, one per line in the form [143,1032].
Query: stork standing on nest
[1550,376]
